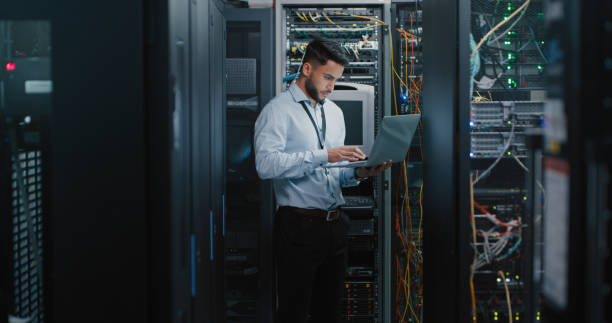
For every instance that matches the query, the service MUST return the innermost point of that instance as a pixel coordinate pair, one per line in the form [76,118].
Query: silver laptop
[392,143]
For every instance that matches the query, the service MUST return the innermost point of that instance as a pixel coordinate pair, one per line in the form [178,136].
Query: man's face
[320,79]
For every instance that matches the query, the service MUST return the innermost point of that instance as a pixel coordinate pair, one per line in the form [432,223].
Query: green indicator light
[540,14]
[517,277]
[495,318]
[540,67]
[506,17]
[507,42]
[509,153]
[509,81]
[542,42]
[494,207]
[512,33]
[524,198]
[508,67]
[495,313]
[509,122]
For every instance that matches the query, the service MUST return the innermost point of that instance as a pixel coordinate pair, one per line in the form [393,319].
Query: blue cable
[511,250]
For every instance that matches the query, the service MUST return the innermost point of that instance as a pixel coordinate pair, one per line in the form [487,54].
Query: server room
[303,161]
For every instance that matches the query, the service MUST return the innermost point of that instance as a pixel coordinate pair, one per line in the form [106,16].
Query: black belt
[328,215]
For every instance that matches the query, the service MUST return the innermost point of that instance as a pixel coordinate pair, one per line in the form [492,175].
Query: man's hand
[350,153]
[363,172]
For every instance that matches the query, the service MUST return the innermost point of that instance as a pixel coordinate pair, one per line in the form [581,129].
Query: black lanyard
[321,142]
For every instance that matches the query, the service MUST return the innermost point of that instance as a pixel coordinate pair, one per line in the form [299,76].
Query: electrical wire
[535,41]
[501,273]
[353,29]
[487,35]
[511,26]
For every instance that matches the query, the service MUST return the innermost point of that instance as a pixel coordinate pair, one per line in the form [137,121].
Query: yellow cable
[406,288]
[399,77]
[350,29]
[501,23]
[421,206]
[311,18]
[302,18]
[507,296]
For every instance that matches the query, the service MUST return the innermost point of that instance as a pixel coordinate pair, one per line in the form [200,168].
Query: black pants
[311,263]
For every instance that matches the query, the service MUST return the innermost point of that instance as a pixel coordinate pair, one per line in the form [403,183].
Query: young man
[296,133]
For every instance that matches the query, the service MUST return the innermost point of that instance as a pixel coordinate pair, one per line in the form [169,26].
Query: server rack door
[248,217]
[24,116]
[181,167]
[205,75]
[216,67]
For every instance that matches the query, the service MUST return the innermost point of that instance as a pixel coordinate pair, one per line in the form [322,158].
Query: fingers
[355,151]
[360,153]
[350,156]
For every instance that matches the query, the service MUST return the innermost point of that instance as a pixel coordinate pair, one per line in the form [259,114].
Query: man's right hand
[350,153]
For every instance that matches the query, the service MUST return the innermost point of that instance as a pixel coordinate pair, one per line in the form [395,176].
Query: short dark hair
[320,50]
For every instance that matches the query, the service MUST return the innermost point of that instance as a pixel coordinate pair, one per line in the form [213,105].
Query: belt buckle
[328,218]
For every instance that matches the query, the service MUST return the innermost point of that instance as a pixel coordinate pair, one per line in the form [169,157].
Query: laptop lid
[392,143]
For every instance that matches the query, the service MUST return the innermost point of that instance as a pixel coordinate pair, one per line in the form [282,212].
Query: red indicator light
[10,66]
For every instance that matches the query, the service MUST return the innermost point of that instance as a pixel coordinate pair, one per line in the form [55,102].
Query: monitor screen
[353,121]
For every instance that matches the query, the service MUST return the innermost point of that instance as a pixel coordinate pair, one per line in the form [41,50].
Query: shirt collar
[299,96]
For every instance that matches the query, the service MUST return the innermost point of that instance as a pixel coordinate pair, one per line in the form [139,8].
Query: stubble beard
[312,90]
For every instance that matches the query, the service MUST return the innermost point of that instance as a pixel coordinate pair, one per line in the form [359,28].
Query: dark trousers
[311,263]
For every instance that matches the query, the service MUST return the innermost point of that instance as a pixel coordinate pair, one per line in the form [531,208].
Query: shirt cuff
[320,157]
[349,179]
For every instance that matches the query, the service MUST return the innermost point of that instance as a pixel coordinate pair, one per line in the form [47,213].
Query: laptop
[392,143]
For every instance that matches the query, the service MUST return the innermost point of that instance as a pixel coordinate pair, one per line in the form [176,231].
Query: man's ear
[306,69]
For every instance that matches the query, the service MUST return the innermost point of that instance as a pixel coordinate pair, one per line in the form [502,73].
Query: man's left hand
[363,172]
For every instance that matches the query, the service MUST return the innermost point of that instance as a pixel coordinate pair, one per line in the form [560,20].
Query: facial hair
[312,90]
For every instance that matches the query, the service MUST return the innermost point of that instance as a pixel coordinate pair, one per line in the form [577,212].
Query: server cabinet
[575,150]
[246,201]
[24,119]
[361,27]
[215,65]
[128,205]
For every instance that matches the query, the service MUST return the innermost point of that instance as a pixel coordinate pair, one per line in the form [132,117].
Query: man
[297,133]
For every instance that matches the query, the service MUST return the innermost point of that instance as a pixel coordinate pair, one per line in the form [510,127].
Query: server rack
[573,282]
[507,66]
[25,112]
[407,181]
[369,254]
[119,249]
[246,201]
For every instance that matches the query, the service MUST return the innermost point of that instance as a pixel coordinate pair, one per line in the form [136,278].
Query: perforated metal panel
[241,75]
[27,289]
